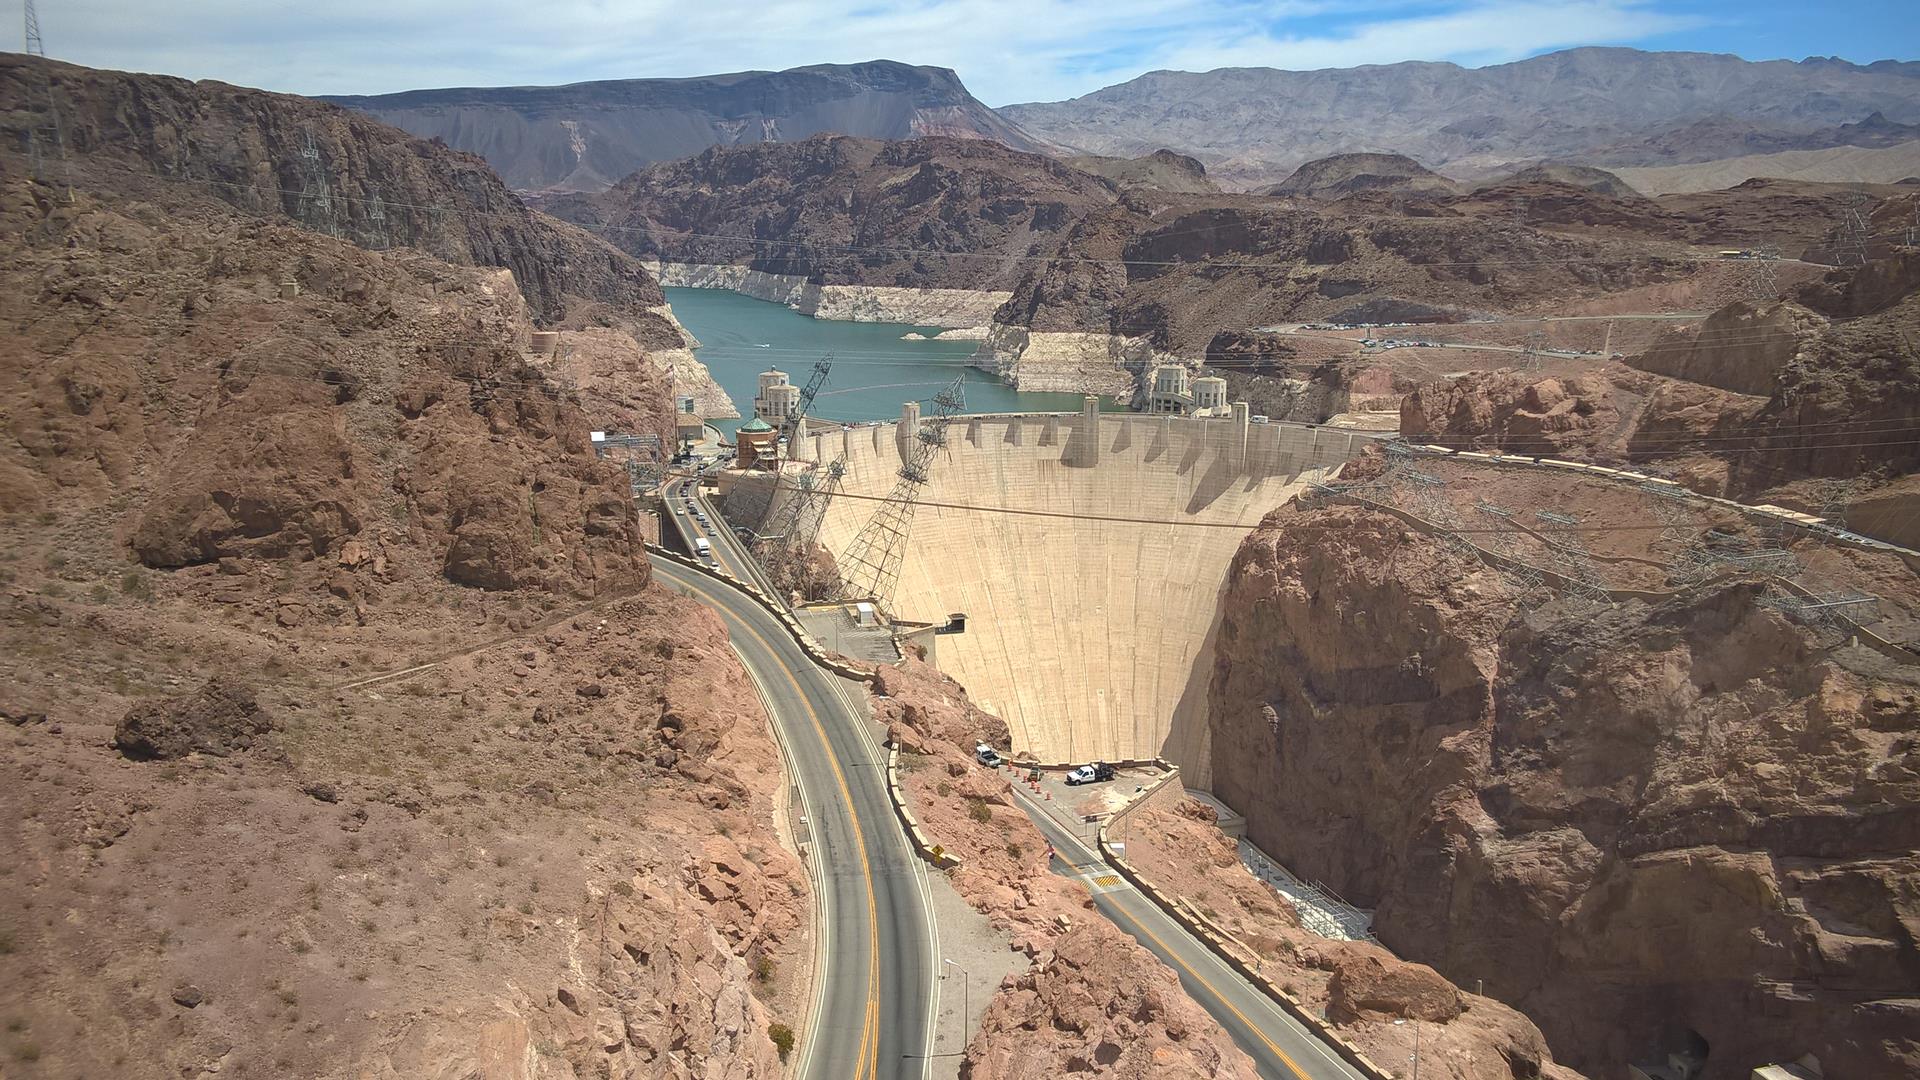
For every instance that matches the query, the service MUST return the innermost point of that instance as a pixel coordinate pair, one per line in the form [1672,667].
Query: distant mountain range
[587,136]
[1249,127]
[1599,106]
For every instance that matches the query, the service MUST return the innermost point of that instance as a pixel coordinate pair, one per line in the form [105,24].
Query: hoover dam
[1088,552]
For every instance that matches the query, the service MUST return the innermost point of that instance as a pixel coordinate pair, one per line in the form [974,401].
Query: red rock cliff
[1641,823]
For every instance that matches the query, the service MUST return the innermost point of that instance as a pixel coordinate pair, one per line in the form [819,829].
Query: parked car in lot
[987,755]
[1090,774]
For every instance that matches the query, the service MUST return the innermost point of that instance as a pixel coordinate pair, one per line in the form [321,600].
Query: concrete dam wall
[1091,638]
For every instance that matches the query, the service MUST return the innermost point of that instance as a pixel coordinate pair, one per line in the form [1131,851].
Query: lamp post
[966,995]
[1416,1046]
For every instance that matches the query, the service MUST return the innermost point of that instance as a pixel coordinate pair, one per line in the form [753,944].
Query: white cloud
[1005,50]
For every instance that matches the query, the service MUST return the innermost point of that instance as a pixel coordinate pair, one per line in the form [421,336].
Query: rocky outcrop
[1838,368]
[836,210]
[587,136]
[221,717]
[1066,361]
[325,168]
[1341,175]
[1498,410]
[1162,170]
[1648,825]
[1743,347]
[1614,416]
[1581,176]
[388,408]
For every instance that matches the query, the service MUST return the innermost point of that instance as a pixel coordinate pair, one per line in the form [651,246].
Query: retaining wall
[923,845]
[1236,955]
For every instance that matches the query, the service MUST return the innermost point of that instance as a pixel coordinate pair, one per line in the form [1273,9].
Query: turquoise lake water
[874,369]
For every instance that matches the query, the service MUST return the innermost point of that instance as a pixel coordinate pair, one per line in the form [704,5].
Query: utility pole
[870,567]
[966,994]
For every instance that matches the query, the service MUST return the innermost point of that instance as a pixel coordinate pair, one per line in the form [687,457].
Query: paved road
[873,889]
[729,553]
[1280,1046]
[873,995]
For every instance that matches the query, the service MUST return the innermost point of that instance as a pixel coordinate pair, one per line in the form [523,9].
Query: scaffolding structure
[1321,910]
[1839,610]
[870,566]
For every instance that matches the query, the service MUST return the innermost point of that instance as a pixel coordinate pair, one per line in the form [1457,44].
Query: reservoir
[876,366]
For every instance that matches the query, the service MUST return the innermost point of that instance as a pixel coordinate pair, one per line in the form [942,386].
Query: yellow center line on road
[1285,1059]
[868,1065]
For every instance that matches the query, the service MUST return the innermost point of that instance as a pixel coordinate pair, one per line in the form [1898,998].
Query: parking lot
[1082,808]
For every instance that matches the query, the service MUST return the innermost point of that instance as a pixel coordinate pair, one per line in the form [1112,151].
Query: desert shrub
[782,1037]
[978,810]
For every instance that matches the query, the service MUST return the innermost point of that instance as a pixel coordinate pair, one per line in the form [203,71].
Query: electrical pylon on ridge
[1856,228]
[870,566]
[35,45]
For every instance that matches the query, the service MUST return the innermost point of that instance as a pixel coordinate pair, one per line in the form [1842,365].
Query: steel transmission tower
[821,368]
[36,157]
[794,524]
[1856,228]
[871,565]
[1760,274]
[35,46]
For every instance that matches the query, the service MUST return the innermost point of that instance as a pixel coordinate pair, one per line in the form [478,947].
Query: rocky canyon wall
[1648,825]
[952,308]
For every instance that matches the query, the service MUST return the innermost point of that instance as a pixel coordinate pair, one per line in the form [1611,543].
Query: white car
[1087,774]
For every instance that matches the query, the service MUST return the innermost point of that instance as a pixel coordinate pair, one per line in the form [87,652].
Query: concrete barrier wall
[923,845]
[815,652]
[1240,959]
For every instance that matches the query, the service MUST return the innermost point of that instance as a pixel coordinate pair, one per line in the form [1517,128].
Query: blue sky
[1005,50]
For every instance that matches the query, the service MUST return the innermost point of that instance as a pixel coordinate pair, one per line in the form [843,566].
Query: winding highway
[1282,1048]
[873,990]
